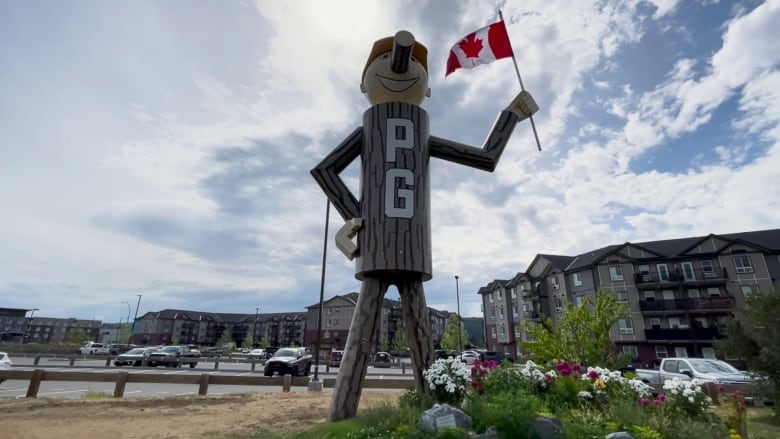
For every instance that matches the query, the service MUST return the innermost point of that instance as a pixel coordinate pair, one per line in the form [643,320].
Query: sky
[163,148]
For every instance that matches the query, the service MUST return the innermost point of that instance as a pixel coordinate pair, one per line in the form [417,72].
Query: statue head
[396,71]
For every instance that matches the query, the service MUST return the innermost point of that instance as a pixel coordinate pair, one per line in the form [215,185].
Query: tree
[384,344]
[451,338]
[125,332]
[248,342]
[226,340]
[75,336]
[400,344]
[265,343]
[754,336]
[581,335]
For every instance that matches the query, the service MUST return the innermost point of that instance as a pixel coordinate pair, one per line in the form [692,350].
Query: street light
[128,319]
[254,329]
[460,322]
[132,330]
[27,327]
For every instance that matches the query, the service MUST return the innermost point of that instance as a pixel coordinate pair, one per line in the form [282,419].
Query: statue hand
[523,105]
[344,237]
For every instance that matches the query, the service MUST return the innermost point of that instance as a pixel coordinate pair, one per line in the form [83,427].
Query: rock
[546,428]
[490,433]
[444,415]
[619,435]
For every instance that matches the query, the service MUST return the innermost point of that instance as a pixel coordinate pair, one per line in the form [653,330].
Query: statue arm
[326,173]
[487,157]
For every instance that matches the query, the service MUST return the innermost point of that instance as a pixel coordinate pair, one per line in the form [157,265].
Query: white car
[5,363]
[468,357]
[259,354]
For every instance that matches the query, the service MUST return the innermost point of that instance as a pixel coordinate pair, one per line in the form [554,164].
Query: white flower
[585,395]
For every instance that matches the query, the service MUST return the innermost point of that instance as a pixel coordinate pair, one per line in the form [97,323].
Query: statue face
[381,84]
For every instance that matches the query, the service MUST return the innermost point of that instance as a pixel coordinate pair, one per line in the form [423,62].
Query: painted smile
[396,85]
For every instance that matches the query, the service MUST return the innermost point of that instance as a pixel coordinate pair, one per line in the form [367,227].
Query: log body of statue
[392,218]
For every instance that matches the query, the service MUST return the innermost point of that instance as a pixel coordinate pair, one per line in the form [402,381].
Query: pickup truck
[93,348]
[173,356]
[701,369]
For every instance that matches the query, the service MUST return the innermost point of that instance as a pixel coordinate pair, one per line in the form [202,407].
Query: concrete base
[315,386]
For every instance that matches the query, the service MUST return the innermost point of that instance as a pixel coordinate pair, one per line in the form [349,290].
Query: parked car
[212,351]
[5,363]
[492,356]
[702,369]
[93,348]
[468,357]
[133,357]
[335,358]
[439,354]
[383,359]
[257,354]
[289,361]
[174,356]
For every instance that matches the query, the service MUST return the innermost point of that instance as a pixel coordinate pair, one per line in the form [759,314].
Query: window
[328,311]
[644,273]
[576,279]
[687,271]
[558,304]
[649,296]
[668,294]
[579,300]
[615,272]
[707,270]
[655,323]
[517,330]
[499,294]
[514,311]
[626,326]
[513,293]
[742,264]
[327,324]
[622,296]
[713,291]
[554,282]
[693,293]
[748,289]
[681,352]
[503,330]
[631,351]
[525,307]
[492,313]
[663,272]
[674,323]
[700,322]
[660,352]
[493,332]
[490,298]
[501,312]
[708,353]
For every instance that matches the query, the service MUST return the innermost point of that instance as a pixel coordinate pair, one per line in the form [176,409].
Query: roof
[558,261]
[219,317]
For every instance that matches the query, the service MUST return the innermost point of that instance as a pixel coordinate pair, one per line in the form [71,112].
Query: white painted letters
[394,141]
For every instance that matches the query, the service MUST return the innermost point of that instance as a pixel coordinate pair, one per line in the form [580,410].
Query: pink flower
[593,374]
[660,398]
[576,368]
[643,401]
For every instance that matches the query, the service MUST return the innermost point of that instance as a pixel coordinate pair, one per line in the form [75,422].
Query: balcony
[699,277]
[681,334]
[715,303]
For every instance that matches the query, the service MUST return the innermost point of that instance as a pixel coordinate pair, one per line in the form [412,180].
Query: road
[67,389]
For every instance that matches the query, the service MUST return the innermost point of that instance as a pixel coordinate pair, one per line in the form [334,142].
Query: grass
[91,394]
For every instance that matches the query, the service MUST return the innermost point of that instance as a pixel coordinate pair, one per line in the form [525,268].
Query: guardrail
[121,378]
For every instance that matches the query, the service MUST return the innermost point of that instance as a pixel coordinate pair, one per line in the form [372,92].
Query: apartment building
[679,291]
[174,326]
[337,317]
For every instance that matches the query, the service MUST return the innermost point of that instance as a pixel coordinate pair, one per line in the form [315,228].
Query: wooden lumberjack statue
[392,219]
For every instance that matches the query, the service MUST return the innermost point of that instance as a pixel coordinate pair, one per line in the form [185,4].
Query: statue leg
[357,351]
[418,329]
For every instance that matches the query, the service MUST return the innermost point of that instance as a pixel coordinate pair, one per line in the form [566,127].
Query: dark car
[335,358]
[498,357]
[174,356]
[133,357]
[289,361]
[383,359]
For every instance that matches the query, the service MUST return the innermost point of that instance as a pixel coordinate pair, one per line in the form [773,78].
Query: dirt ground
[171,417]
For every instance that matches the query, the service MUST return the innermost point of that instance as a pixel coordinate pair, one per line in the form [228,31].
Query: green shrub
[509,412]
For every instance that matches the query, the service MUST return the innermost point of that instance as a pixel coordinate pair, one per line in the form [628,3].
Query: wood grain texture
[357,351]
[394,245]
[418,329]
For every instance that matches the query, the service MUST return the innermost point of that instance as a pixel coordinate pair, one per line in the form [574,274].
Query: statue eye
[385,56]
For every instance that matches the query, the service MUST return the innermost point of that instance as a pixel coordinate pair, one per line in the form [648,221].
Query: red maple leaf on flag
[471,46]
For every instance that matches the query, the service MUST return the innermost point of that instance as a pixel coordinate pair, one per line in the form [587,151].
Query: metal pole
[127,322]
[322,294]
[460,321]
[254,328]
[517,70]
[137,305]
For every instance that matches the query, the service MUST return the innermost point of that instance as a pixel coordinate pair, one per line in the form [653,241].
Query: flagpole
[520,79]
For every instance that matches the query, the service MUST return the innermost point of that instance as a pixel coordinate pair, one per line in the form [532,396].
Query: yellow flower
[600,384]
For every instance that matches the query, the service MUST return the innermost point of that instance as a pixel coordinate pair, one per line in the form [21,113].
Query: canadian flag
[480,47]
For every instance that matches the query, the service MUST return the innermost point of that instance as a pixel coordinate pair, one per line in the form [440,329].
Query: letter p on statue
[391,216]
